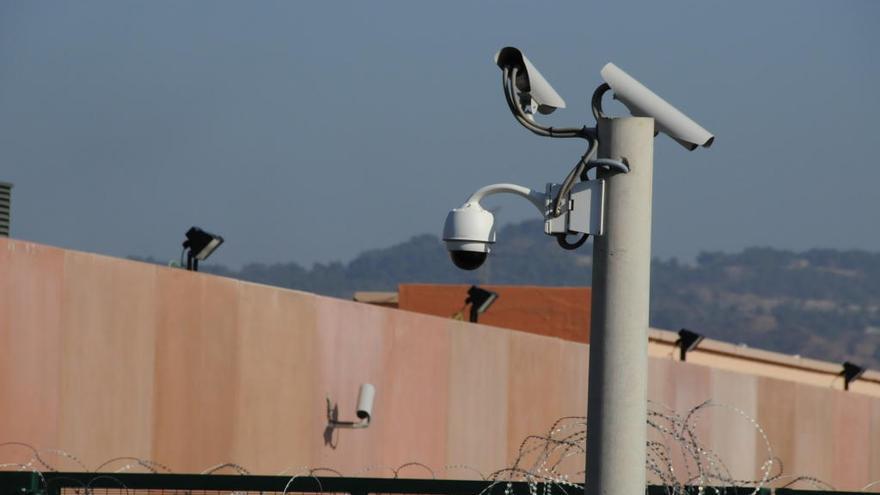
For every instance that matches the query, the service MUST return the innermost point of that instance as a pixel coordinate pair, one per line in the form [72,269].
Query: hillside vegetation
[823,304]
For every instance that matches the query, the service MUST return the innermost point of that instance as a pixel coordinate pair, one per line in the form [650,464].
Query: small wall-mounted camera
[364,411]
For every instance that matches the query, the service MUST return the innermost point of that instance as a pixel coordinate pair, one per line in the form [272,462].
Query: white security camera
[470,229]
[365,402]
[529,81]
[642,102]
[468,232]
[366,394]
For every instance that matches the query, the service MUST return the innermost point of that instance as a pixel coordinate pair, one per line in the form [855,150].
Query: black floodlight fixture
[688,341]
[851,372]
[200,245]
[480,300]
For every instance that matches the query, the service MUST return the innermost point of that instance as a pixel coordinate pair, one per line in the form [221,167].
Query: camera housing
[366,394]
[642,102]
[468,233]
[469,230]
[529,81]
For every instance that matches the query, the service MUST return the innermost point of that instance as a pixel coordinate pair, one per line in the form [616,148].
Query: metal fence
[59,483]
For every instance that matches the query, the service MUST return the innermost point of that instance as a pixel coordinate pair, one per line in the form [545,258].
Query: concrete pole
[617,406]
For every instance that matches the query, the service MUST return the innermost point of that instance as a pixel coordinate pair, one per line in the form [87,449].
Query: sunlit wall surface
[104,357]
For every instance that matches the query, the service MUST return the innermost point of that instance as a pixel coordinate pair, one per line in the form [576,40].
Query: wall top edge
[753,354]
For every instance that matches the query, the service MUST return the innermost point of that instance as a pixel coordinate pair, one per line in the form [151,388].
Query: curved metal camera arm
[587,161]
[539,200]
[508,81]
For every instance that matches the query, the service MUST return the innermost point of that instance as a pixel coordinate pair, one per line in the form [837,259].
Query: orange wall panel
[777,406]
[731,429]
[478,377]
[31,295]
[813,416]
[276,369]
[196,369]
[851,413]
[873,430]
[562,312]
[107,359]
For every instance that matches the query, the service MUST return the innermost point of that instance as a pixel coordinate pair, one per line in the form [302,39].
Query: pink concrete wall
[105,357]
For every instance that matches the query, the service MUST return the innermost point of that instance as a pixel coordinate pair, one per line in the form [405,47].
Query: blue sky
[313,131]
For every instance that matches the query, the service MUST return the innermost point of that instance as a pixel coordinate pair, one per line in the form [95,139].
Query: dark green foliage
[823,304]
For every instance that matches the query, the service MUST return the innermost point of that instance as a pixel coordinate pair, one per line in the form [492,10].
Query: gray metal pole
[617,406]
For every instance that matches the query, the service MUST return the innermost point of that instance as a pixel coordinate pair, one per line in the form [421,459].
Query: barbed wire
[236,467]
[88,487]
[35,454]
[816,483]
[419,464]
[326,470]
[372,469]
[147,464]
[869,485]
[23,467]
[540,456]
[61,453]
[450,467]
[677,459]
[294,477]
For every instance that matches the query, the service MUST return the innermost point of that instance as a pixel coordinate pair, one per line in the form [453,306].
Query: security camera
[365,402]
[642,102]
[534,89]
[470,229]
[468,232]
[366,394]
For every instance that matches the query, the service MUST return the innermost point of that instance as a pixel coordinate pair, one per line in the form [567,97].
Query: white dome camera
[529,81]
[470,229]
[642,102]
[468,232]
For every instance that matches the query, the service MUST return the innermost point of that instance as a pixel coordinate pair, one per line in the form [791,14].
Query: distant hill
[525,257]
[823,304]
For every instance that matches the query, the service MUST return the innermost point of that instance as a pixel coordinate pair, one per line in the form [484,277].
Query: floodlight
[480,300]
[200,244]
[851,372]
[687,341]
